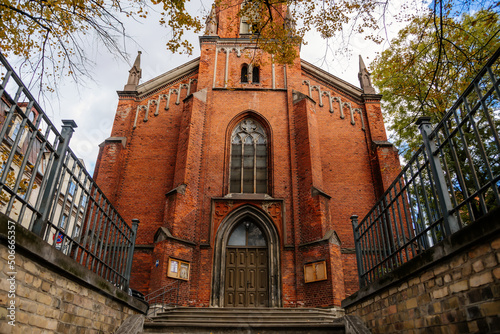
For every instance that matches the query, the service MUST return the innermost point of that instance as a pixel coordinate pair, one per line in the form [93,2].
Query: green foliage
[51,35]
[428,66]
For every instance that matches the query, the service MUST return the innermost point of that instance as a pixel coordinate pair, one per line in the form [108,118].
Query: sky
[92,103]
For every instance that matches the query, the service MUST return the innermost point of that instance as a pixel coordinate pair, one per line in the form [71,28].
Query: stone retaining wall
[454,288]
[53,293]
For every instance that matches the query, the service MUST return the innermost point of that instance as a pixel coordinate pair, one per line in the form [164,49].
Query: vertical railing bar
[408,216]
[110,242]
[57,195]
[94,234]
[90,223]
[19,177]
[74,195]
[34,169]
[373,247]
[380,255]
[387,238]
[76,203]
[12,154]
[436,216]
[402,199]
[459,173]
[398,241]
[368,248]
[471,161]
[418,217]
[124,248]
[5,81]
[130,252]
[104,232]
[99,241]
[424,193]
[480,142]
[357,246]
[85,215]
[117,245]
[487,114]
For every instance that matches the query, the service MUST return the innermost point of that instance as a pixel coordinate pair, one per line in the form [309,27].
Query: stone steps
[240,320]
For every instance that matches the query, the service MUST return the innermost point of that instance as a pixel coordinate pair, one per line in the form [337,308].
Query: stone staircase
[255,320]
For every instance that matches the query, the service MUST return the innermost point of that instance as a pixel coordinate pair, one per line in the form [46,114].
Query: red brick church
[243,176]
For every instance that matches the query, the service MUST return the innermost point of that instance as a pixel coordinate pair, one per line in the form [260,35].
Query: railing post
[130,255]
[40,224]
[450,221]
[354,220]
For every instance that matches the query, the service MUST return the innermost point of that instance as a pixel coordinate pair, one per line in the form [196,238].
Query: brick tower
[243,176]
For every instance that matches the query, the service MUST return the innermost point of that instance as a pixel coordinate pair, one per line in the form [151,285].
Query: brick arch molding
[219,271]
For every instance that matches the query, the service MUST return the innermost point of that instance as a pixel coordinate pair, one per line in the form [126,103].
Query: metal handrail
[47,189]
[451,181]
[157,297]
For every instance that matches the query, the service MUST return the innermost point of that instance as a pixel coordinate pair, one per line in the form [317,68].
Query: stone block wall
[457,292]
[54,294]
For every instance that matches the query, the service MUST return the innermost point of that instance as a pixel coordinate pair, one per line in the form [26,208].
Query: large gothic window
[248,158]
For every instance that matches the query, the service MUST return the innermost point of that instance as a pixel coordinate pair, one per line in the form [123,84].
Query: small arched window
[244,73]
[248,172]
[255,75]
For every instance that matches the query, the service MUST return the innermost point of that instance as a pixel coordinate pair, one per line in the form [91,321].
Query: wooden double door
[246,282]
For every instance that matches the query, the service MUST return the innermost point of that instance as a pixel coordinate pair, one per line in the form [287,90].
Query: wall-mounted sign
[178,269]
[157,263]
[315,271]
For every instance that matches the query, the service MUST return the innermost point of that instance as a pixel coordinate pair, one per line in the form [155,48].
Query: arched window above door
[247,233]
[248,171]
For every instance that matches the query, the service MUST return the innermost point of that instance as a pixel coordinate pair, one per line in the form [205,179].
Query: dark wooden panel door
[246,277]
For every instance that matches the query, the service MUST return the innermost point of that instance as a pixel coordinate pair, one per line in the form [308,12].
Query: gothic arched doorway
[246,261]
[246,267]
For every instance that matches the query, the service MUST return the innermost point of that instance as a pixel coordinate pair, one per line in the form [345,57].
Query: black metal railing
[164,297]
[46,188]
[450,182]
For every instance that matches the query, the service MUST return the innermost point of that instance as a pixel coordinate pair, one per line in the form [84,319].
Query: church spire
[135,74]
[211,23]
[364,78]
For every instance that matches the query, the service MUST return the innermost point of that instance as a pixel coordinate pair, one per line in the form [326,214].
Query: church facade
[244,176]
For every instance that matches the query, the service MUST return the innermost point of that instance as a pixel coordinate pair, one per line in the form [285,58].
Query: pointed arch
[249,155]
[244,73]
[266,225]
[255,75]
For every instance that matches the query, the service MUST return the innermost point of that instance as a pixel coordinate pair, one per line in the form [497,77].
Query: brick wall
[323,164]
[458,291]
[55,294]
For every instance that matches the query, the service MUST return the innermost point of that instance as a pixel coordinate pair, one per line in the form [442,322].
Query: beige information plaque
[178,269]
[315,271]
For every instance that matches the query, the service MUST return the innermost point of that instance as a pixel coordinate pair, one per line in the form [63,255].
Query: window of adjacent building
[77,231]
[16,126]
[248,172]
[72,188]
[64,220]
